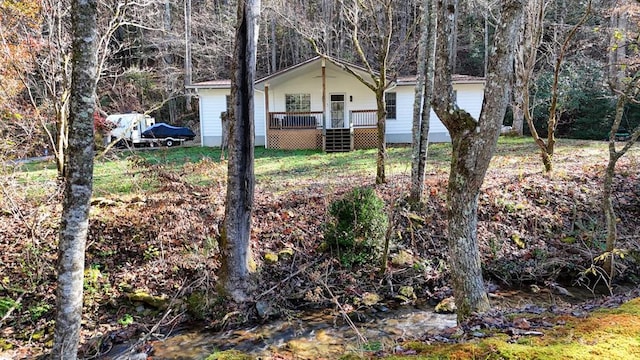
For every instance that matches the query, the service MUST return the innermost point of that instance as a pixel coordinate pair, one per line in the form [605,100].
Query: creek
[309,336]
[326,334]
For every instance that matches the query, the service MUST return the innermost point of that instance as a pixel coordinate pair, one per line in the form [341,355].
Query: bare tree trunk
[473,144]
[547,149]
[382,144]
[614,156]
[630,84]
[274,47]
[520,84]
[609,211]
[168,62]
[486,38]
[616,71]
[188,68]
[529,40]
[62,138]
[237,261]
[78,177]
[422,101]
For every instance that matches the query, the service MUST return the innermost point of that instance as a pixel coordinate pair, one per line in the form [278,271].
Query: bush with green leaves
[358,227]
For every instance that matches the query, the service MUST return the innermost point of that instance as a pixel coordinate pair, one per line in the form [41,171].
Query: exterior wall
[212,103]
[260,119]
[469,97]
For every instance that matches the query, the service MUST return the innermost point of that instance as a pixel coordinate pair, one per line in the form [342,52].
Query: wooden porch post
[324,104]
[268,117]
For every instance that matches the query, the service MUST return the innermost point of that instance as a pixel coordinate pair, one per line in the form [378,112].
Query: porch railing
[364,118]
[295,120]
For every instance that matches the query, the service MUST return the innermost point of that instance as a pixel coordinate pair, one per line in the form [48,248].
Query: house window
[390,104]
[298,102]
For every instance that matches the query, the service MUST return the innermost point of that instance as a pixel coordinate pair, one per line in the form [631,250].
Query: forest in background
[145,61]
[65,107]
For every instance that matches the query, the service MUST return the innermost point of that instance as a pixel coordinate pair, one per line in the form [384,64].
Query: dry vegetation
[155,219]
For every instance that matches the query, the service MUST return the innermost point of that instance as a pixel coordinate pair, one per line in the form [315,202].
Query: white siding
[259,118]
[212,103]
[469,98]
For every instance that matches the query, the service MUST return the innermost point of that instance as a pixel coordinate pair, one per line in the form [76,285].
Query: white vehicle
[128,128]
[141,130]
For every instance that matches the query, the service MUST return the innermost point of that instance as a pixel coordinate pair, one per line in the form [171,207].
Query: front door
[337,110]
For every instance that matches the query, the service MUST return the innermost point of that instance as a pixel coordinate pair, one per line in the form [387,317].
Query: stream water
[311,336]
[327,335]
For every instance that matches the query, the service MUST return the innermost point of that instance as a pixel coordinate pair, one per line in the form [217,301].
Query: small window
[298,102]
[390,104]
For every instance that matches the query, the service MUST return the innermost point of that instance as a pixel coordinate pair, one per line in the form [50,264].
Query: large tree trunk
[473,144]
[78,177]
[382,145]
[422,102]
[237,261]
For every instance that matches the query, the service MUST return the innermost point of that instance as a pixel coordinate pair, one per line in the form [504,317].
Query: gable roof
[284,74]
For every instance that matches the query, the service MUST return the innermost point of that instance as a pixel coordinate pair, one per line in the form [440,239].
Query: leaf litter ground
[538,236]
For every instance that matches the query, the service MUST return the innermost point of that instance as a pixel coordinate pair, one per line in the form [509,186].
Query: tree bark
[422,102]
[473,144]
[382,144]
[609,214]
[169,60]
[78,177]
[617,70]
[188,68]
[607,189]
[237,261]
[529,39]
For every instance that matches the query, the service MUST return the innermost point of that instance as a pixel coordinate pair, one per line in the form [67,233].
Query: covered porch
[313,130]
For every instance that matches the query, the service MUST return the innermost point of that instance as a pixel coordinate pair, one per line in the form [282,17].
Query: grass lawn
[119,175]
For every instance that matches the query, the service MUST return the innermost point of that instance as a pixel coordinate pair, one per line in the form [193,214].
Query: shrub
[358,227]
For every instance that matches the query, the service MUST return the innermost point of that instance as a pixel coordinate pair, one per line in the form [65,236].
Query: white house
[318,104]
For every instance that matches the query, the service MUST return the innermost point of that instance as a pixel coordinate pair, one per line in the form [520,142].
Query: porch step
[338,140]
